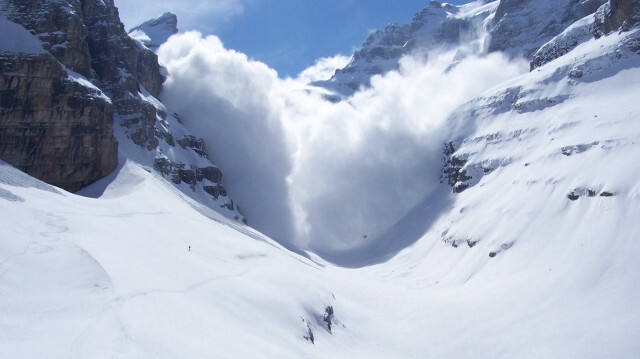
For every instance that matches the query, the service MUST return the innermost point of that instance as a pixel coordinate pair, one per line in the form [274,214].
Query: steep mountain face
[515,27]
[520,27]
[437,25]
[83,84]
[55,125]
[544,32]
[551,131]
[619,14]
[155,32]
[532,254]
[603,22]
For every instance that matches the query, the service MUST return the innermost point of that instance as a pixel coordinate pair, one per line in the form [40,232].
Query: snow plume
[323,69]
[319,175]
[233,103]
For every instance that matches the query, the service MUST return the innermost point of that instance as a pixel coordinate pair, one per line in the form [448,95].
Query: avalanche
[535,256]
[113,276]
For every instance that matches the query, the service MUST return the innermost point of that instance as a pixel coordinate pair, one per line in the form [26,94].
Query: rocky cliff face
[53,127]
[82,84]
[441,25]
[611,16]
[520,27]
[617,15]
[55,124]
[515,27]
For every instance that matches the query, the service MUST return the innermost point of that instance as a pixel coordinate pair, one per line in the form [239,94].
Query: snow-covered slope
[536,258]
[515,27]
[72,79]
[520,27]
[436,26]
[155,32]
[548,156]
[532,254]
[18,39]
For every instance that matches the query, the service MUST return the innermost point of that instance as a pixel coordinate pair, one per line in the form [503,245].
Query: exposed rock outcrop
[191,175]
[520,27]
[50,96]
[52,127]
[453,171]
[617,15]
[80,83]
[54,124]
[611,16]
[574,35]
[437,25]
[59,26]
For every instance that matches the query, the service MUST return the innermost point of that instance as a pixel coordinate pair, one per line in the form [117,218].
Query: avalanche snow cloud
[324,176]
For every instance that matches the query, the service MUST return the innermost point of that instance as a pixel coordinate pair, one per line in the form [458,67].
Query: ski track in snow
[44,244]
[145,272]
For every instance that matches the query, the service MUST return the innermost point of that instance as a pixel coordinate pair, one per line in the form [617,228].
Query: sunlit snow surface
[15,38]
[113,277]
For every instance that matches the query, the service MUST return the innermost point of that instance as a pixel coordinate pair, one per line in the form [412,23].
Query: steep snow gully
[512,234]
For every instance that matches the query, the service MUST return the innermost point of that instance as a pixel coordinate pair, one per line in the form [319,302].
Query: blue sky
[287,35]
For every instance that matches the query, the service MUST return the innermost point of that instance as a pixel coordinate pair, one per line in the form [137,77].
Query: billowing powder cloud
[319,175]
[323,69]
[234,104]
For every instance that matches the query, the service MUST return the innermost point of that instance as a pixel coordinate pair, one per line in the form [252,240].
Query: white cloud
[232,103]
[317,174]
[323,69]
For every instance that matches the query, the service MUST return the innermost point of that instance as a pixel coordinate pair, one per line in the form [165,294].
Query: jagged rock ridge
[437,25]
[520,27]
[155,32]
[56,125]
[64,107]
[516,27]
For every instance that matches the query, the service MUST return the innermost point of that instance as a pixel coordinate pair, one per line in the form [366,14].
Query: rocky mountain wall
[612,16]
[82,84]
[86,37]
[437,25]
[520,27]
[617,15]
[52,127]
[120,64]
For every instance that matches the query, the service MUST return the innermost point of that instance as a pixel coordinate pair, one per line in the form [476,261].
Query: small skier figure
[189,248]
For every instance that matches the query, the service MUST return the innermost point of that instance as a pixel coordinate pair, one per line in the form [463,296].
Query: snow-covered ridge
[533,254]
[18,39]
[516,27]
[520,27]
[84,80]
[155,32]
[541,247]
[437,25]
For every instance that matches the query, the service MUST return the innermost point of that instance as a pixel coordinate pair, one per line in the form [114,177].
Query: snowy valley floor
[113,277]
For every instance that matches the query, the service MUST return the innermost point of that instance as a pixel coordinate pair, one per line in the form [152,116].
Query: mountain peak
[437,24]
[153,33]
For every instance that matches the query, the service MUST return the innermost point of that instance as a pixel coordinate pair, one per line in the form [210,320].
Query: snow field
[114,277]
